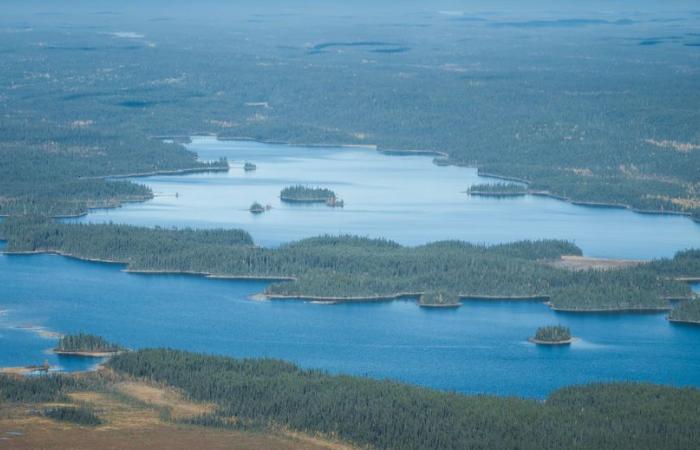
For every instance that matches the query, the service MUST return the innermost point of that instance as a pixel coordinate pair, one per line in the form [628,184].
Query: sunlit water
[481,347]
[405,198]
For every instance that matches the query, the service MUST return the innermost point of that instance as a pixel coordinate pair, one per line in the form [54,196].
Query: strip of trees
[348,266]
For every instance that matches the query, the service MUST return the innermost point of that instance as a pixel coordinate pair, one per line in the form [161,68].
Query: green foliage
[85,343]
[385,414]
[35,389]
[555,333]
[306,194]
[339,266]
[687,311]
[80,415]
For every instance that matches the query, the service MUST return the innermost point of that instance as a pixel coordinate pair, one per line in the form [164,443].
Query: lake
[404,198]
[480,347]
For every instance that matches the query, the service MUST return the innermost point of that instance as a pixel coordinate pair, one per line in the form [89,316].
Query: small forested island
[552,335]
[439,299]
[257,208]
[86,345]
[249,166]
[306,194]
[498,190]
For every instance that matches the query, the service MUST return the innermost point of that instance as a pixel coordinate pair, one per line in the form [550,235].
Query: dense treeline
[82,342]
[80,415]
[348,266]
[685,264]
[262,394]
[39,389]
[84,104]
[688,311]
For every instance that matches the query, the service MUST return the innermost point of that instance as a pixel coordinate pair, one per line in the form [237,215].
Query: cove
[479,348]
[403,198]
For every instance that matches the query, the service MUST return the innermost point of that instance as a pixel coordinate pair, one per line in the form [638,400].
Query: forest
[386,414]
[266,395]
[80,102]
[333,267]
[686,312]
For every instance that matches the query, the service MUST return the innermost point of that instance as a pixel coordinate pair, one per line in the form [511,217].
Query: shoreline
[209,275]
[508,298]
[339,299]
[440,306]
[553,343]
[294,200]
[685,321]
[186,171]
[650,309]
[496,194]
[86,354]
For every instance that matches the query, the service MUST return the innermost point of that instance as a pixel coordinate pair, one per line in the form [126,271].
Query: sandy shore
[573,262]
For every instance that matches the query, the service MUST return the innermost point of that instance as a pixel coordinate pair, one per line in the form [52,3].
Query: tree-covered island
[306,194]
[257,208]
[552,335]
[83,344]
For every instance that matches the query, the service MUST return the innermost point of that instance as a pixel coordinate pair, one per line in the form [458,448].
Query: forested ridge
[347,266]
[612,124]
[267,395]
[262,394]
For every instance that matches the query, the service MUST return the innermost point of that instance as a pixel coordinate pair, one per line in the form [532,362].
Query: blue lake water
[480,347]
[405,198]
